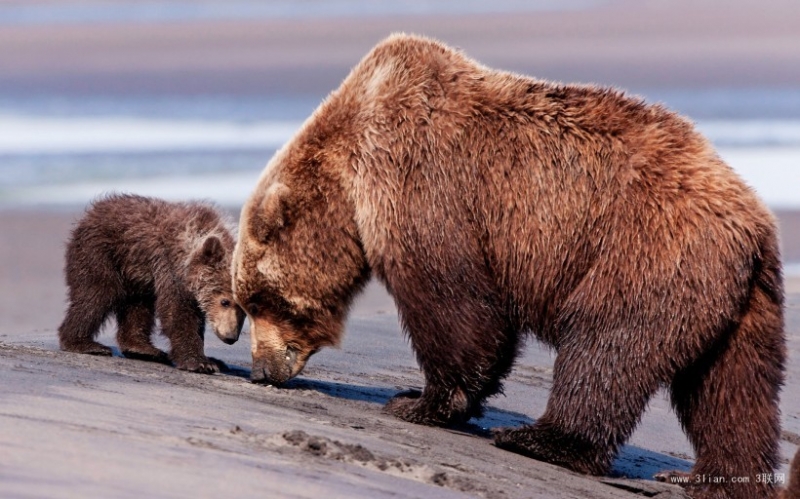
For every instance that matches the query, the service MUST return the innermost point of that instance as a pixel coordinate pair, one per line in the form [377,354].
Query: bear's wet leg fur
[82,323]
[135,321]
[792,490]
[91,299]
[183,323]
[591,412]
[713,404]
[481,343]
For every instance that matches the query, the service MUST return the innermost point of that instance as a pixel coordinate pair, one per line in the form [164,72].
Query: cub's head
[297,265]
[210,277]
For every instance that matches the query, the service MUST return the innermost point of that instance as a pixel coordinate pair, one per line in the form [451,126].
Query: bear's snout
[229,340]
[274,370]
[227,325]
[228,336]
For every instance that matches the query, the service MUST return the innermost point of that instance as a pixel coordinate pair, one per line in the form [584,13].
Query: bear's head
[209,274]
[299,260]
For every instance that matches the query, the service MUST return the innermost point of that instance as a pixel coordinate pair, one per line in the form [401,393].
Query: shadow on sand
[632,462]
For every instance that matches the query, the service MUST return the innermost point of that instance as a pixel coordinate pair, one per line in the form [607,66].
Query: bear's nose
[274,370]
[229,341]
[258,375]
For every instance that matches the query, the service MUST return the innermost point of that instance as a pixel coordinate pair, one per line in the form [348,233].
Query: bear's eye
[225,302]
[253,309]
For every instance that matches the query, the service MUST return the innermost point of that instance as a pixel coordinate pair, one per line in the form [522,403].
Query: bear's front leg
[464,344]
[183,324]
[431,409]
[187,348]
[550,443]
[203,365]
[135,320]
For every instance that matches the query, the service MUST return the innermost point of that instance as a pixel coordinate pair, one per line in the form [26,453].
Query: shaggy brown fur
[792,491]
[138,258]
[493,205]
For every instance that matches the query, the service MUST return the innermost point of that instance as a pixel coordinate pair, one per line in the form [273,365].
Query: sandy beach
[74,426]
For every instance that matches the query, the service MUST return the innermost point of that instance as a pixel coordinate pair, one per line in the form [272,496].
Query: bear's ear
[211,252]
[270,217]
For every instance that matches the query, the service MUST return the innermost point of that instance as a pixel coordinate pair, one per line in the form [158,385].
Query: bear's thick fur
[140,258]
[493,206]
[792,490]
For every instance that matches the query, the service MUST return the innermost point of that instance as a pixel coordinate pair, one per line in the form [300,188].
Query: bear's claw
[413,407]
[202,365]
[90,348]
[154,355]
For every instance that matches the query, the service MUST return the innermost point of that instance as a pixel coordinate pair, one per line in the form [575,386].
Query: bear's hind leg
[727,402]
[600,391]
[135,320]
[94,289]
[85,316]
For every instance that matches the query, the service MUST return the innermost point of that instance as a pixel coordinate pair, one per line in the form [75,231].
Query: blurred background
[190,98]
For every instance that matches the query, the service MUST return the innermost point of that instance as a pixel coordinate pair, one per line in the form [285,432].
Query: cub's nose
[229,340]
[227,335]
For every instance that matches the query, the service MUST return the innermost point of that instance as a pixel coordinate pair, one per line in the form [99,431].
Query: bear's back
[141,236]
[545,179]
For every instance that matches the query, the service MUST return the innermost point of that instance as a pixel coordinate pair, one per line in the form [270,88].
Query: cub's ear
[211,252]
[270,217]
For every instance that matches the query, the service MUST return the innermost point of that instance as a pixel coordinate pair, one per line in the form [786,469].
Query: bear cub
[139,258]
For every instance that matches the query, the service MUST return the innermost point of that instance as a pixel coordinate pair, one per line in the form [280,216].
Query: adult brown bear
[492,206]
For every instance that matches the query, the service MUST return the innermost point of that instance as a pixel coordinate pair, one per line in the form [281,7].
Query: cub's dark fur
[139,258]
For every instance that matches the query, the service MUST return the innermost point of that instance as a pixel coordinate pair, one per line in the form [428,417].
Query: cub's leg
[135,320]
[85,316]
[91,301]
[183,323]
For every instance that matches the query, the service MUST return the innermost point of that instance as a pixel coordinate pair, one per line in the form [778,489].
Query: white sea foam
[227,189]
[774,172]
[743,133]
[20,135]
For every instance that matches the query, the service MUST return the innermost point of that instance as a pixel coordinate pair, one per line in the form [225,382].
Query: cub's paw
[221,366]
[508,439]
[89,348]
[151,354]
[202,365]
